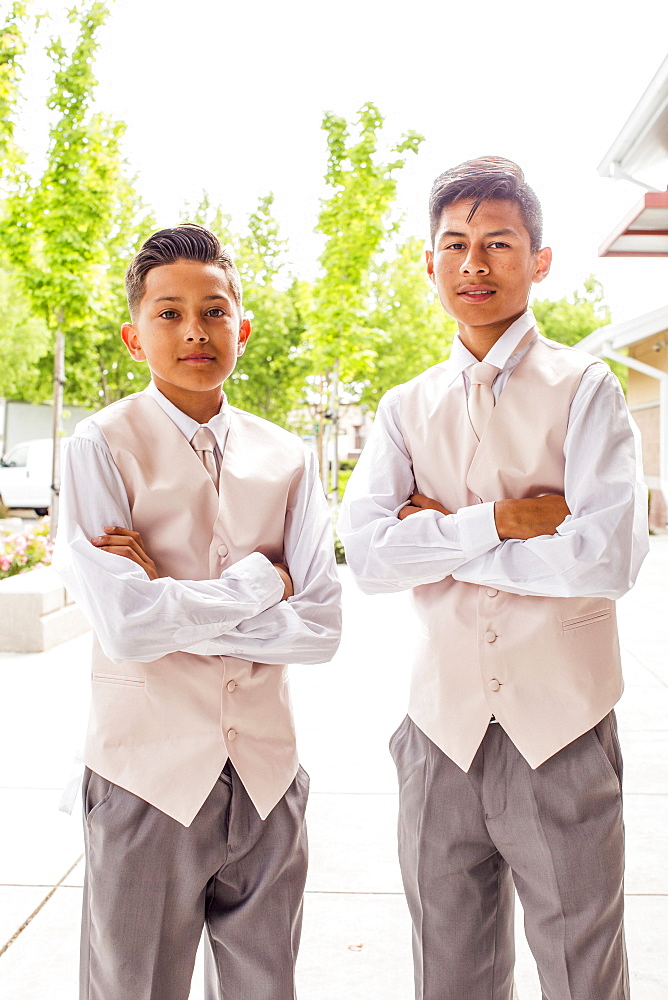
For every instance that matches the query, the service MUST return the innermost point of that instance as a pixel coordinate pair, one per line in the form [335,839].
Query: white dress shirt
[598,549]
[240,614]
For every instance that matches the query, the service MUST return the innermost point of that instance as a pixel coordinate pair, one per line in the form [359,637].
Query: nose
[474,263]
[195,332]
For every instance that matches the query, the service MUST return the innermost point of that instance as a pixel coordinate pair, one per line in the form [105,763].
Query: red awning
[644,231]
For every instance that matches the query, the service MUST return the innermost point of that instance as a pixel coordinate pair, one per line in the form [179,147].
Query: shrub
[24,551]
[338,545]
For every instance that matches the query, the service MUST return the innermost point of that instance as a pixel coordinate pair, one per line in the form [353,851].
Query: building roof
[643,140]
[621,335]
[644,231]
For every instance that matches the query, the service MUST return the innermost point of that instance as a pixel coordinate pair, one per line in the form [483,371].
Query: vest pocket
[120,679]
[590,619]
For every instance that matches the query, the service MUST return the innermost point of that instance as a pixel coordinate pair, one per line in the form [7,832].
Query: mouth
[476,293]
[199,357]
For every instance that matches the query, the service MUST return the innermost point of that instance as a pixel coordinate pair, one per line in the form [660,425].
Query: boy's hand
[530,517]
[420,502]
[126,543]
[284,574]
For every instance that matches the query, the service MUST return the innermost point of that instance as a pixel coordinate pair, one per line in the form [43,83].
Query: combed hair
[487,178]
[184,242]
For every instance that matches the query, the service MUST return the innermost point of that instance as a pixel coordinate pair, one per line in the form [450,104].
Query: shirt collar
[499,355]
[219,424]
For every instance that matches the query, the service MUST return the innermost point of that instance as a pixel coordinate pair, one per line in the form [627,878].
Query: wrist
[503,518]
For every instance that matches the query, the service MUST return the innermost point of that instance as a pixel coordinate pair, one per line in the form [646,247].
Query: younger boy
[215,567]
[507,494]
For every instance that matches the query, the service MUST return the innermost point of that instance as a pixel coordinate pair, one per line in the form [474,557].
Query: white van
[25,475]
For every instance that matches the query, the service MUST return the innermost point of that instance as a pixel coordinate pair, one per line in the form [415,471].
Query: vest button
[493,685]
[223,550]
[491,592]
[231,735]
[231,685]
[490,636]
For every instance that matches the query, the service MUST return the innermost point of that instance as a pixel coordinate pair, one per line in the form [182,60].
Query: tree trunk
[58,383]
[334,408]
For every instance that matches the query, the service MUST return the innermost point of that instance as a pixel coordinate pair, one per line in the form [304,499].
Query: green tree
[12,49]
[411,329]
[571,318]
[57,231]
[356,221]
[24,341]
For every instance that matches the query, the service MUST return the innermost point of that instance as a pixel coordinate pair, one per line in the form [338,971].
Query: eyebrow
[178,298]
[497,232]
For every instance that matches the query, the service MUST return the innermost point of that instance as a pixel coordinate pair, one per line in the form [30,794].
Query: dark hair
[488,178]
[184,242]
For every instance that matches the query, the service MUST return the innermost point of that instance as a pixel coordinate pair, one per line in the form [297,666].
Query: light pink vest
[164,730]
[548,668]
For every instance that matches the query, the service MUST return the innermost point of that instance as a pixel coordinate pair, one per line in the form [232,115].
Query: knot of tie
[481,397]
[204,442]
[482,373]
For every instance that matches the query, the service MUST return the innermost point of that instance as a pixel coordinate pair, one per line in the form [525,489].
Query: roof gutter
[640,121]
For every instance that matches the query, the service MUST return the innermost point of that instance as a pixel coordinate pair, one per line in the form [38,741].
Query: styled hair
[185,242]
[487,178]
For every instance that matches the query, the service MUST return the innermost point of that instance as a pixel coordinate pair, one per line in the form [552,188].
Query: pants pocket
[605,734]
[96,791]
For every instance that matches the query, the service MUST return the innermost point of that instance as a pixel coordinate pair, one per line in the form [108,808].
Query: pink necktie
[481,397]
[203,441]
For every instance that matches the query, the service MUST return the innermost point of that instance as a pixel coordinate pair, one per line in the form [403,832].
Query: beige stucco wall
[643,396]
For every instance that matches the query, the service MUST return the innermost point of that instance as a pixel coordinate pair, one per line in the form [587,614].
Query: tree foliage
[64,231]
[12,48]
[411,331]
[24,341]
[357,222]
[572,318]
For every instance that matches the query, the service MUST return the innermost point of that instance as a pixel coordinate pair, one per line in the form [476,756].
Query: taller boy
[216,568]
[506,492]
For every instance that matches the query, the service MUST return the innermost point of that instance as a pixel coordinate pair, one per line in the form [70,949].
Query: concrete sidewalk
[356,940]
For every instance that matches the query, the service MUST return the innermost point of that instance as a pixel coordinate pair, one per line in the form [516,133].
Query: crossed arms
[124,542]
[521,519]
[592,545]
[248,611]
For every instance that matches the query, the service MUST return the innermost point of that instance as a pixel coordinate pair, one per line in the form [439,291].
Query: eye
[499,245]
[455,246]
[168,314]
[216,312]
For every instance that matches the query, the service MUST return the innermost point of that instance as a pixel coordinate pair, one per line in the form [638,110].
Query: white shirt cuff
[477,529]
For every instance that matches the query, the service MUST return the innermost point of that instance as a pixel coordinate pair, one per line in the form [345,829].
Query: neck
[479,340]
[199,406]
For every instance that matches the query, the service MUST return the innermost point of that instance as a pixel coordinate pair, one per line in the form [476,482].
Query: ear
[543,262]
[429,255]
[243,335]
[131,340]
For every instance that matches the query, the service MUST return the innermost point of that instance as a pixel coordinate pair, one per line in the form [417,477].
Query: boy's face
[483,269]
[189,329]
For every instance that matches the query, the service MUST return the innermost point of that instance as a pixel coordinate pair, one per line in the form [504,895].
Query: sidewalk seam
[34,913]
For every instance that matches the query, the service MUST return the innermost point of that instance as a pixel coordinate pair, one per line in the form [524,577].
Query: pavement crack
[34,913]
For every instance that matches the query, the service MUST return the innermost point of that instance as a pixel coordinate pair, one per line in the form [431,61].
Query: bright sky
[229,98]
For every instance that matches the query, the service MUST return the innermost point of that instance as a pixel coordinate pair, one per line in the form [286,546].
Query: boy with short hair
[216,567]
[504,487]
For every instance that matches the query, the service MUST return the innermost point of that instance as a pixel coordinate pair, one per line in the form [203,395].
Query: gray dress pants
[152,884]
[555,831]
